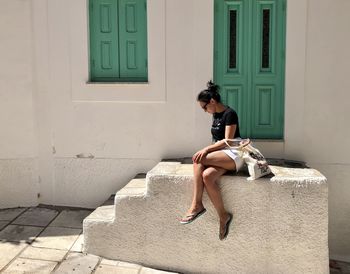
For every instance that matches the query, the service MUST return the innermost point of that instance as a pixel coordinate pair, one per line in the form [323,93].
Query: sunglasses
[205,106]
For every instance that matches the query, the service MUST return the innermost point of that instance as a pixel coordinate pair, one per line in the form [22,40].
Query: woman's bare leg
[218,163]
[210,177]
[203,174]
[198,187]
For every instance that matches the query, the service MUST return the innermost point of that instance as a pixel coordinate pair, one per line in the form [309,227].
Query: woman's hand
[199,155]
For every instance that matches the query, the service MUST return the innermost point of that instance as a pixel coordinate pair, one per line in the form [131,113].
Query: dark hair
[212,92]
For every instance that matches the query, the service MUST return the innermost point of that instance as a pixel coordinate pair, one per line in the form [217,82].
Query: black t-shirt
[221,120]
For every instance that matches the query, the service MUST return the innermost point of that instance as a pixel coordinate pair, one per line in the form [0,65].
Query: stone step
[106,212]
[135,188]
[280,223]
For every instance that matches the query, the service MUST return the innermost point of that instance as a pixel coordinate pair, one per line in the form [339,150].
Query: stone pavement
[49,240]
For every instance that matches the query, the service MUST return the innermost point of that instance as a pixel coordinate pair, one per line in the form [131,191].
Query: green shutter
[104,60]
[133,40]
[118,40]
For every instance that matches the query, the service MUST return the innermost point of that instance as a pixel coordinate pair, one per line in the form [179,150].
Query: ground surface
[49,239]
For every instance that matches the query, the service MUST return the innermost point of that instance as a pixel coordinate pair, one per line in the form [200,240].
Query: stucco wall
[126,128]
[326,133]
[317,97]
[18,175]
[46,100]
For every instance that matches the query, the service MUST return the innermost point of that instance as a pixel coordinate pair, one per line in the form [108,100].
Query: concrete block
[57,237]
[9,251]
[78,263]
[22,265]
[136,187]
[102,213]
[137,182]
[71,218]
[134,191]
[43,254]
[18,233]
[10,214]
[36,216]
[280,225]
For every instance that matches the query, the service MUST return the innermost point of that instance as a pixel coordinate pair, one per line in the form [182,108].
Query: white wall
[18,175]
[317,98]
[128,128]
[326,132]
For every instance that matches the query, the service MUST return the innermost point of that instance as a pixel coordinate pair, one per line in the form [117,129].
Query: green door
[249,57]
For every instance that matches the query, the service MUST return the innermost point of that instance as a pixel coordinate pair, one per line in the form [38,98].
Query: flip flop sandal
[227,226]
[191,217]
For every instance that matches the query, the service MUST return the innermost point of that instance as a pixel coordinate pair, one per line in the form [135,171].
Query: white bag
[256,162]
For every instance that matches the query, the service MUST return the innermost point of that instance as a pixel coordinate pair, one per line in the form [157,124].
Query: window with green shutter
[118,40]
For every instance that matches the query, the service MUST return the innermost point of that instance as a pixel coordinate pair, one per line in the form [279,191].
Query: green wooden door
[249,57]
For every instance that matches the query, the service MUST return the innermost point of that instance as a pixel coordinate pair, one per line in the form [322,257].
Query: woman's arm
[229,133]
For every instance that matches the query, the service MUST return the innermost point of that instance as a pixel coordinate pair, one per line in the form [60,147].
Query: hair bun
[212,92]
[212,87]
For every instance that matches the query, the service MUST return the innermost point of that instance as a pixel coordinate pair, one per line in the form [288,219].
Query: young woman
[214,160]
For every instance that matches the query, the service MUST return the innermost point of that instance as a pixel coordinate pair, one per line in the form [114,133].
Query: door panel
[230,49]
[249,63]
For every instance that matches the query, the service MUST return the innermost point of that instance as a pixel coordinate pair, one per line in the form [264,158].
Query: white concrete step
[280,224]
[106,212]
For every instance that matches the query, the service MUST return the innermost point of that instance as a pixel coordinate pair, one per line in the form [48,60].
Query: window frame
[121,60]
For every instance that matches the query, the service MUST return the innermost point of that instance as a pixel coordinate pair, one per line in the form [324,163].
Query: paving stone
[110,269]
[18,233]
[43,254]
[11,213]
[21,265]
[36,216]
[3,224]
[129,265]
[71,218]
[78,245]
[339,267]
[146,270]
[109,262]
[57,238]
[8,251]
[78,263]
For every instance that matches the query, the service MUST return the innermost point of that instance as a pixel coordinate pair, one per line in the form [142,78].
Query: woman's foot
[192,215]
[224,226]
